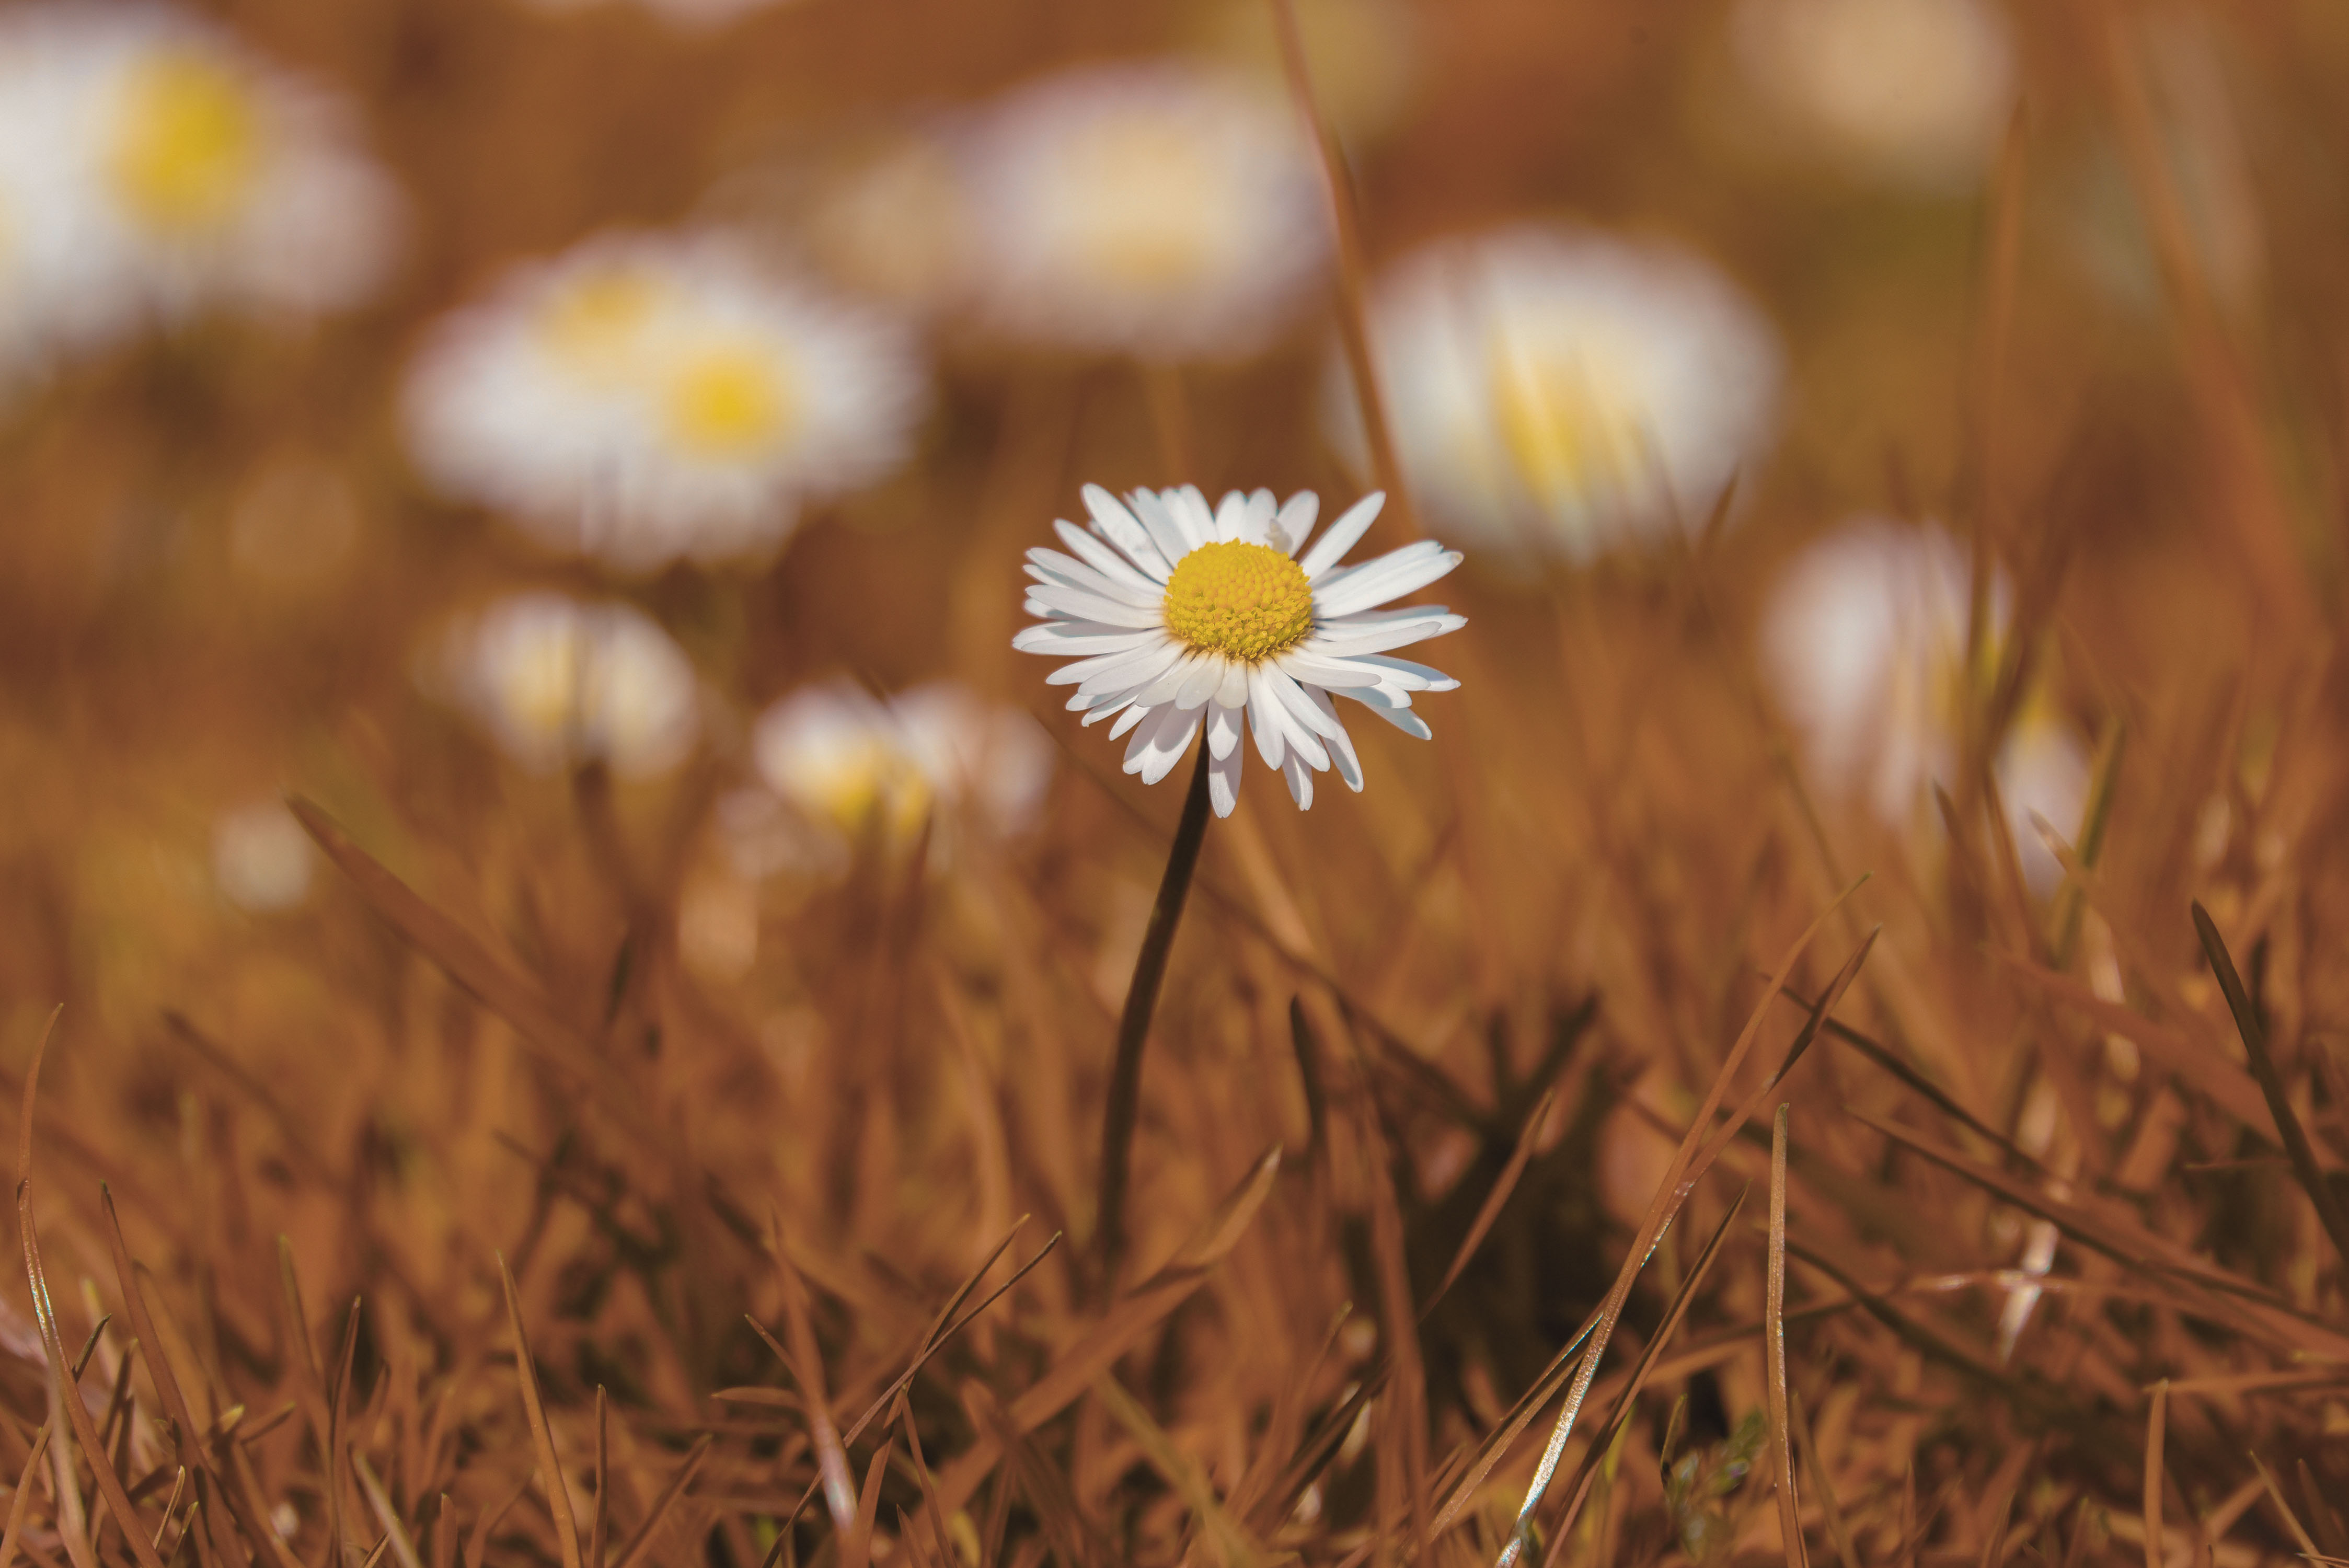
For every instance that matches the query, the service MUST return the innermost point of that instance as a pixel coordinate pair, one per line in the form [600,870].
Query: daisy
[646,397]
[1556,390]
[1183,618]
[843,760]
[1864,644]
[1914,91]
[1166,211]
[558,683]
[150,165]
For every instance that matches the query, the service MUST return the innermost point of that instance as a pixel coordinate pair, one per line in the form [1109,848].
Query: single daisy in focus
[1166,211]
[645,398]
[1182,618]
[846,761]
[558,683]
[1554,390]
[151,165]
[1864,644]
[1913,91]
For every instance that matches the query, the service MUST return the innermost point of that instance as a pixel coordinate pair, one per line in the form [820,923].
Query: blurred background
[587,447]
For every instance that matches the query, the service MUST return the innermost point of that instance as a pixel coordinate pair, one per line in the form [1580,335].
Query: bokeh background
[1900,437]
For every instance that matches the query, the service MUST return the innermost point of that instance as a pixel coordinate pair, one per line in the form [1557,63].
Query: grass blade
[1773,1339]
[542,1436]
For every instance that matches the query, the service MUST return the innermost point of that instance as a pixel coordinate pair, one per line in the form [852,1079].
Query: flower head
[645,398]
[1915,92]
[1166,211]
[1864,644]
[1182,618]
[1556,390]
[558,683]
[150,165]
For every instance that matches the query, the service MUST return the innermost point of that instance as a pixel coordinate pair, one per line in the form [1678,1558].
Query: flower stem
[1133,1024]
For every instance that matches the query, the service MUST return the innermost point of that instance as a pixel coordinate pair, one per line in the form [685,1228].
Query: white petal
[1052,566]
[1409,675]
[1390,576]
[1255,525]
[1169,681]
[1223,729]
[1341,744]
[1233,693]
[1297,718]
[1172,738]
[1172,541]
[1293,521]
[1133,715]
[1223,781]
[1300,782]
[1104,559]
[1343,534]
[1340,640]
[1092,607]
[1119,672]
[1319,671]
[1231,516]
[1206,678]
[1409,723]
[1074,639]
[1264,720]
[1119,527]
[1192,514]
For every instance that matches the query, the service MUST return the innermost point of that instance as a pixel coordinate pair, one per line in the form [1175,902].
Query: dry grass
[1456,1089]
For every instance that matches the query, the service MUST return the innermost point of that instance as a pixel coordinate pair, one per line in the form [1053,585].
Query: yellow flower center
[726,401]
[1565,435]
[868,782]
[187,145]
[1246,602]
[1145,201]
[597,323]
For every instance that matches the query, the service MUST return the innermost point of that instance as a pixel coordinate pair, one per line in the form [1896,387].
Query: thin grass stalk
[2156,1423]
[1125,1108]
[542,1436]
[1773,1338]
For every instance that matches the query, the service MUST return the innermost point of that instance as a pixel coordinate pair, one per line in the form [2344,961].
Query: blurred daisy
[645,398]
[1163,209]
[691,14]
[1914,91]
[261,858]
[1553,389]
[846,760]
[890,217]
[558,683]
[149,165]
[1180,618]
[1863,643]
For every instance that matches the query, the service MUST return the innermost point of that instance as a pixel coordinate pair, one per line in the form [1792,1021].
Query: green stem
[1133,1024]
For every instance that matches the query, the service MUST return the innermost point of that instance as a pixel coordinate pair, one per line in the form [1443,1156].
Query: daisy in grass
[1182,617]
[1555,390]
[646,397]
[1166,211]
[558,683]
[846,762]
[149,165]
[1914,92]
[1864,644]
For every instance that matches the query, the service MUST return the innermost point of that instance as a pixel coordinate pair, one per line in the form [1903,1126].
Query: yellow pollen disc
[725,401]
[540,688]
[187,147]
[1145,202]
[1246,602]
[1566,436]
[597,323]
[870,784]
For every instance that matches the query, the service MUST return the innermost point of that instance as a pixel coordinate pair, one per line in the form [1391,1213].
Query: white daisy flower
[149,165]
[842,757]
[558,683]
[261,858]
[1912,91]
[1864,644]
[1163,209]
[1180,618]
[1556,390]
[645,398]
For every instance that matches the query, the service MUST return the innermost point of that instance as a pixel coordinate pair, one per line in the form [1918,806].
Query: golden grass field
[751,1154]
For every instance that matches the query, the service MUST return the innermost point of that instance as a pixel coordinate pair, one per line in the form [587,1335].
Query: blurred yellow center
[539,686]
[597,323]
[1148,199]
[1566,436]
[869,784]
[187,145]
[1246,602]
[728,402]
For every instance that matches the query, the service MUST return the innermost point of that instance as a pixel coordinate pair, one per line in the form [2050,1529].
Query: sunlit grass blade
[2156,1422]
[1773,1342]
[542,1436]
[1495,1201]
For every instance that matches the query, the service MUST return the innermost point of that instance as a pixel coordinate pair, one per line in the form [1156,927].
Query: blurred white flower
[558,683]
[645,397]
[1864,645]
[1912,91]
[150,165]
[261,858]
[891,218]
[690,14]
[842,757]
[1556,390]
[1163,209]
